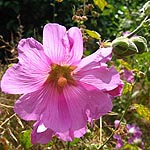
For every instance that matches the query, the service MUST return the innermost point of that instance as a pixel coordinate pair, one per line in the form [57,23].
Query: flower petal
[46,104]
[80,101]
[31,71]
[53,35]
[99,58]
[76,45]
[40,137]
[103,78]
[117,91]
[56,115]
[31,53]
[70,135]
[99,104]
[31,105]
[44,136]
[76,100]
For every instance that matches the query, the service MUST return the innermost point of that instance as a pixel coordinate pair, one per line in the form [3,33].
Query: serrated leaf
[25,139]
[93,34]
[143,111]
[101,4]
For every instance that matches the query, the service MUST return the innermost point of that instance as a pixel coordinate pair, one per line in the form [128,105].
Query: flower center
[61,75]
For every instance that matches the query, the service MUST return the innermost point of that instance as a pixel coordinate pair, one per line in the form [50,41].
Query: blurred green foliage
[117,16]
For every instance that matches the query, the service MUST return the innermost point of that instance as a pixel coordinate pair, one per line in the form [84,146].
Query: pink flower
[61,91]
[128,76]
[119,143]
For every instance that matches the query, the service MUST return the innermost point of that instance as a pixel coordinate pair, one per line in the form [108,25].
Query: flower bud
[141,43]
[122,46]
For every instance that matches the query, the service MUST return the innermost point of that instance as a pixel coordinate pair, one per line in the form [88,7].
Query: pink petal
[56,114]
[98,58]
[61,46]
[40,137]
[76,100]
[31,105]
[103,78]
[31,71]
[99,104]
[31,53]
[76,45]
[46,104]
[53,35]
[117,91]
[80,100]
[44,136]
[128,75]
[70,135]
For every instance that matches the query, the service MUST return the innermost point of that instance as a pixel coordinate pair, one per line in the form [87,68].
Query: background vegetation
[26,18]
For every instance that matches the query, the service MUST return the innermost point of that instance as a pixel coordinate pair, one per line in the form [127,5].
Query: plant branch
[138,28]
[117,126]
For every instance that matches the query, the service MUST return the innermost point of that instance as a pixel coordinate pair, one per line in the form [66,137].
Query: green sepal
[141,43]
[122,46]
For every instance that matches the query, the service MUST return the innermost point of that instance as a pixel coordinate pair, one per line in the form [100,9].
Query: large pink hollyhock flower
[61,91]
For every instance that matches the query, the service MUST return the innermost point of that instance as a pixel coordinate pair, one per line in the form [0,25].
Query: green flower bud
[122,46]
[146,8]
[141,43]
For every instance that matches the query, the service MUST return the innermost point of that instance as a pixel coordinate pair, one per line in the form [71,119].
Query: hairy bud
[122,46]
[141,43]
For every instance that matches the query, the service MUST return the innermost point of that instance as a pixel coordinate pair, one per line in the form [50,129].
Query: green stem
[137,29]
[117,126]
[68,145]
[84,4]
[100,130]
[131,97]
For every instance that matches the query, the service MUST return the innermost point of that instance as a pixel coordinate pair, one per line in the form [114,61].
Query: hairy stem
[138,28]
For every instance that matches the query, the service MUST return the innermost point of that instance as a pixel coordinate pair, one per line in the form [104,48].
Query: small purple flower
[119,141]
[126,33]
[128,75]
[116,123]
[134,130]
[129,133]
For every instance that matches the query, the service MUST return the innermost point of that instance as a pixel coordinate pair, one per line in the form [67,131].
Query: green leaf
[101,4]
[127,88]
[25,139]
[129,146]
[93,34]
[143,111]
[74,142]
[125,64]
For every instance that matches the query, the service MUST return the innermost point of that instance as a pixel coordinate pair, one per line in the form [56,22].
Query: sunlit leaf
[127,88]
[125,64]
[129,146]
[25,139]
[74,142]
[101,4]
[143,111]
[93,34]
